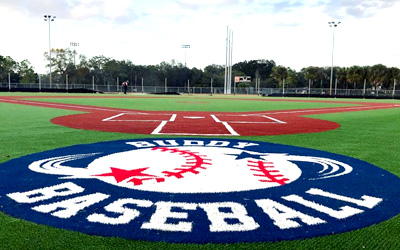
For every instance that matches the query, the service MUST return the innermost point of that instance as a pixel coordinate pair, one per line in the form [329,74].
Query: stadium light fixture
[74,44]
[185,46]
[333,25]
[49,19]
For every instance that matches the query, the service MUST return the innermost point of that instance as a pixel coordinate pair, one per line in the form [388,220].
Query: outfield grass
[373,136]
[194,103]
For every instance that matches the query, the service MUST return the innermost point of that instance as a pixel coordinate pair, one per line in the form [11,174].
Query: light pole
[185,46]
[228,61]
[49,19]
[73,44]
[333,25]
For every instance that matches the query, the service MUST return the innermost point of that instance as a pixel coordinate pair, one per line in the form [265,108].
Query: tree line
[106,71]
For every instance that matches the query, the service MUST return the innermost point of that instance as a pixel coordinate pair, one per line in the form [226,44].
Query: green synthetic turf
[184,103]
[373,136]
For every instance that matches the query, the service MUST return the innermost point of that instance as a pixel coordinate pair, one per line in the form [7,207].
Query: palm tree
[377,75]
[311,73]
[341,75]
[279,73]
[393,75]
[354,75]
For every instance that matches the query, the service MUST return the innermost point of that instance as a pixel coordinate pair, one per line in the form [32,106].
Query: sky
[292,33]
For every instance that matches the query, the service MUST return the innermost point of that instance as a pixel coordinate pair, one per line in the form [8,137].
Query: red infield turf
[196,123]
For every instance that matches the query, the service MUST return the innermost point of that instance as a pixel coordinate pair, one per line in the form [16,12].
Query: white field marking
[230,129]
[112,117]
[75,106]
[232,132]
[276,120]
[194,134]
[162,124]
[57,105]
[215,118]
[227,126]
[253,122]
[135,121]
[159,128]
[173,117]
[85,108]
[194,117]
[343,109]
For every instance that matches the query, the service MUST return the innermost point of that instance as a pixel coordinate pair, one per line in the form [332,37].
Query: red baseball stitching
[194,161]
[271,175]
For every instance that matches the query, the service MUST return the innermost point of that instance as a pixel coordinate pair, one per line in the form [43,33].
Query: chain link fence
[92,88]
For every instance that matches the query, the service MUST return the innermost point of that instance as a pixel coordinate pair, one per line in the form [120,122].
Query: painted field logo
[198,190]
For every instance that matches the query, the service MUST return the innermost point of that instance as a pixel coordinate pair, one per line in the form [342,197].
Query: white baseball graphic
[191,169]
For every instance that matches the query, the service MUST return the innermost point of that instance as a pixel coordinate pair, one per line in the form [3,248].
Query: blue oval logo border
[365,179]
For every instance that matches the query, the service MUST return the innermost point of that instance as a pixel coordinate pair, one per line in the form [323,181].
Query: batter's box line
[226,124]
[157,131]
[274,120]
[114,118]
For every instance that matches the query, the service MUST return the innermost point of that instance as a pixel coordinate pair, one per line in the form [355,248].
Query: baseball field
[34,127]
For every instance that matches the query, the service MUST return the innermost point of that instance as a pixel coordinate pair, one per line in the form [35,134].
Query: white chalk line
[159,128]
[173,116]
[74,106]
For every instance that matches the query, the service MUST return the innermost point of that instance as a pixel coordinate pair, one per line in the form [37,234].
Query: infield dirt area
[194,122]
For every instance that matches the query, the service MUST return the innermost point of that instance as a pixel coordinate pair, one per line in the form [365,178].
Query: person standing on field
[125,84]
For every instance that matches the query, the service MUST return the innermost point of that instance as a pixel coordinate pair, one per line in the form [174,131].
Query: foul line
[276,120]
[340,109]
[113,117]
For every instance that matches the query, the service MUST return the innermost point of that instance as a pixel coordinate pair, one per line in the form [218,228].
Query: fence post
[335,86]
[40,83]
[394,87]
[211,86]
[365,84]
[66,82]
[9,82]
[93,84]
[117,84]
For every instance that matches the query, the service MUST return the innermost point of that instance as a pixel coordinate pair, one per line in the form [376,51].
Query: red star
[122,174]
